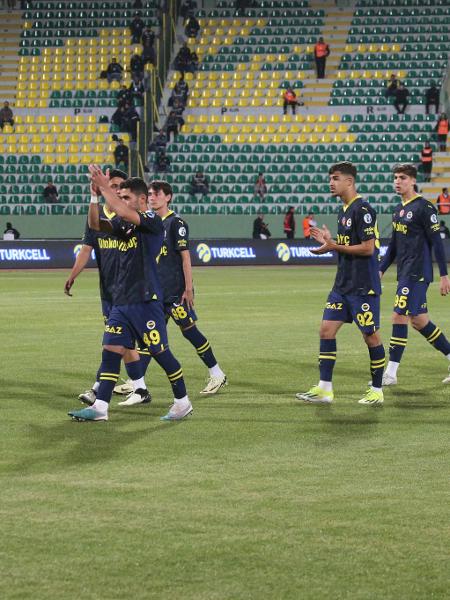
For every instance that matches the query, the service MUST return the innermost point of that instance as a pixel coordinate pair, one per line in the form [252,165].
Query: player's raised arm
[100,180]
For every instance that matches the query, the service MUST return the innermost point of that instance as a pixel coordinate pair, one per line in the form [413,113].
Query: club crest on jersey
[405,291]
[365,306]
[343,221]
[401,213]
[349,222]
[367,218]
[433,218]
[182,231]
[409,215]
[151,324]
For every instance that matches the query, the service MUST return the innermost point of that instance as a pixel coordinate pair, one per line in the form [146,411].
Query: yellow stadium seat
[307,128]
[35,149]
[331,128]
[338,138]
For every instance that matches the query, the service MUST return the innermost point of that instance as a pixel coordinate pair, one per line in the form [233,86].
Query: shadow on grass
[412,404]
[71,443]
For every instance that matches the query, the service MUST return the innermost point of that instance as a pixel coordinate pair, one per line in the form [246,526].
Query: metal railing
[155,78]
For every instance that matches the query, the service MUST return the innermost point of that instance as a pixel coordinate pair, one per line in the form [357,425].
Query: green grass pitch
[255,496]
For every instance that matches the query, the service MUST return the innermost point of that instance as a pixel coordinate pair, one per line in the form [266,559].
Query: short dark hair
[160,184]
[136,185]
[345,167]
[118,173]
[407,169]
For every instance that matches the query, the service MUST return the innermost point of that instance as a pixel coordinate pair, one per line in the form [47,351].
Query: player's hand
[94,189]
[444,286]
[98,178]
[321,235]
[188,298]
[68,286]
[323,249]
[380,273]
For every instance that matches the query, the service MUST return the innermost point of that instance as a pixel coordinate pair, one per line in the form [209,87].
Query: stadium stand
[234,122]
[54,52]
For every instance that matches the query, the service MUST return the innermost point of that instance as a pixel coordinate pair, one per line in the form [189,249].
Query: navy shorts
[363,310]
[411,298]
[142,323]
[180,313]
[106,309]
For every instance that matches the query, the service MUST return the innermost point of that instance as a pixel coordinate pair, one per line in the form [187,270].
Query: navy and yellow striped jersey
[170,266]
[415,230]
[357,275]
[138,247]
[105,255]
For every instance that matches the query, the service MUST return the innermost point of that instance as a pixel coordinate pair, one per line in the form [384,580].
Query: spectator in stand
[401,98]
[114,71]
[121,153]
[290,99]
[148,38]
[137,26]
[124,96]
[178,108]
[444,231]
[289,223]
[137,90]
[118,116]
[199,184]
[443,202]
[10,230]
[192,27]
[260,186]
[183,88]
[426,158]
[392,86]
[442,131]
[160,142]
[50,192]
[186,60]
[162,163]
[149,55]
[321,51]
[177,94]
[260,229]
[6,115]
[137,66]
[308,222]
[188,9]
[193,66]
[432,98]
[171,125]
[130,121]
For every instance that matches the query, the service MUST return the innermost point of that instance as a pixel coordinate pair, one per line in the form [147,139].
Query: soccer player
[106,255]
[175,274]
[415,232]
[137,314]
[356,292]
